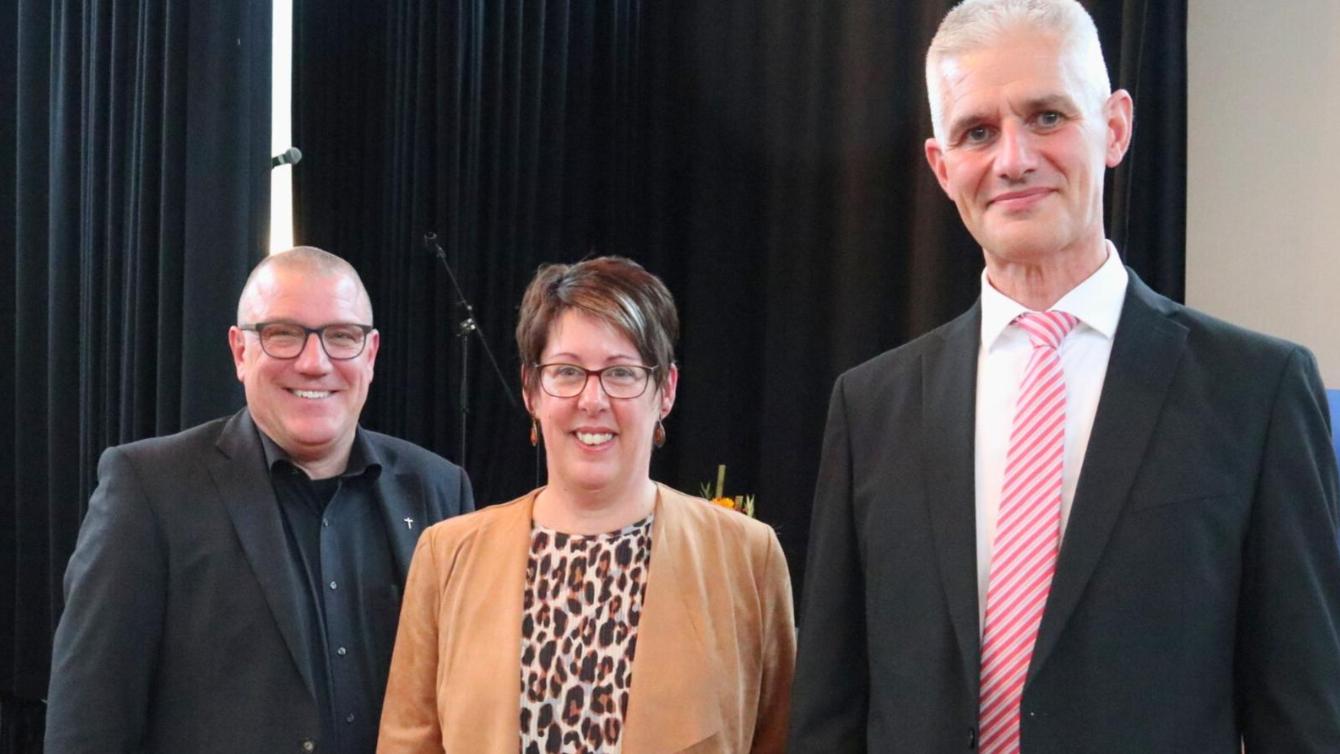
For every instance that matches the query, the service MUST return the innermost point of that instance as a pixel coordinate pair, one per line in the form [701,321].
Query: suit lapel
[1144,357]
[239,475]
[669,708]
[404,510]
[949,395]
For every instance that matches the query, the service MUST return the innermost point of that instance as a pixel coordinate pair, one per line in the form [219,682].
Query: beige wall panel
[1263,168]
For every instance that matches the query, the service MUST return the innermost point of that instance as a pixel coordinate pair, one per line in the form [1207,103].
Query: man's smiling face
[308,405]
[1025,144]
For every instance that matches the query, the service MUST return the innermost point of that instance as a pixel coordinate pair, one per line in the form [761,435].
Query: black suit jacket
[1196,602]
[183,629]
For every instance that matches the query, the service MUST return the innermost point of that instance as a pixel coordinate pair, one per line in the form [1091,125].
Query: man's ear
[1119,114]
[370,349]
[936,157]
[237,343]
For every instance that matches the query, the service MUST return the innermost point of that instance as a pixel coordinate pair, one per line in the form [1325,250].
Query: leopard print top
[578,634]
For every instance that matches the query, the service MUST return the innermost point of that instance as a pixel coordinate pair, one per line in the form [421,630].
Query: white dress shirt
[1001,360]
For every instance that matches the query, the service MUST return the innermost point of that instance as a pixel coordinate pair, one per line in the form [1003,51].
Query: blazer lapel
[488,603]
[240,477]
[1144,357]
[668,710]
[949,400]
[401,497]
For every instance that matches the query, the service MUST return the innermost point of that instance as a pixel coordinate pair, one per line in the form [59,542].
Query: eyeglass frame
[308,332]
[600,378]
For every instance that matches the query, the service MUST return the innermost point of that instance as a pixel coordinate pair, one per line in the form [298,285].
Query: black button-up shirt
[338,540]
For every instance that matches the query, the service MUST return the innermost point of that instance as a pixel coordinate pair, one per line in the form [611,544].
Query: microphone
[291,156]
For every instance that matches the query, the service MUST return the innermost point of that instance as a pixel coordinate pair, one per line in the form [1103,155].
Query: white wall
[1263,168]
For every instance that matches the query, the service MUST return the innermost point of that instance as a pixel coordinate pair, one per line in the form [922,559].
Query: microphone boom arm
[467,326]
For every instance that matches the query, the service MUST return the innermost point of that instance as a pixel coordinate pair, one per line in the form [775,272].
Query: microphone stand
[467,326]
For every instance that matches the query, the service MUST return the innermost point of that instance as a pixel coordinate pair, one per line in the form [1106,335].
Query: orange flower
[724,502]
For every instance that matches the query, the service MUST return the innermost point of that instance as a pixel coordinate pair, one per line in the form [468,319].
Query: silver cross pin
[409,523]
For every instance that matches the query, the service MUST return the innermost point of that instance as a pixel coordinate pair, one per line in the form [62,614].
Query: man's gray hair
[308,259]
[974,24]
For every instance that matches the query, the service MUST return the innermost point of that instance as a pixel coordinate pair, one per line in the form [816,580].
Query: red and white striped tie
[1028,533]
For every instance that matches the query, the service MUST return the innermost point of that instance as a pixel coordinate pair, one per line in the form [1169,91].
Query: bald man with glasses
[236,587]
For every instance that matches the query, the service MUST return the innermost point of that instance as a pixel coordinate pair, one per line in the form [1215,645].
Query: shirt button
[332,585]
[309,745]
[341,651]
[325,522]
[350,718]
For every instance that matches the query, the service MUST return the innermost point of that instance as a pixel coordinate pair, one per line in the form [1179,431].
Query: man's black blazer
[1196,602]
[183,627]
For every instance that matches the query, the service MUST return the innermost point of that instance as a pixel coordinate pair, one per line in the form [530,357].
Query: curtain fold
[137,136]
[511,130]
[1146,195]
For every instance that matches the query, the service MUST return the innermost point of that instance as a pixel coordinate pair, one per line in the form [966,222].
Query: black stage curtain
[134,138]
[765,158]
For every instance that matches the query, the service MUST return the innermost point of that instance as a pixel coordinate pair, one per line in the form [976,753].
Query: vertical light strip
[281,127]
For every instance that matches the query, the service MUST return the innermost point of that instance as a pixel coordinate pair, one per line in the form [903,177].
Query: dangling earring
[534,432]
[658,437]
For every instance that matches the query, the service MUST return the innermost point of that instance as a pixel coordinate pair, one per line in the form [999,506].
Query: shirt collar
[363,458]
[1096,302]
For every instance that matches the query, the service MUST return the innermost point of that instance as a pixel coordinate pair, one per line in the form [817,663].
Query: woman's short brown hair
[613,290]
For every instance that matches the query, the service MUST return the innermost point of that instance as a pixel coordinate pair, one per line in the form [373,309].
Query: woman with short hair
[603,612]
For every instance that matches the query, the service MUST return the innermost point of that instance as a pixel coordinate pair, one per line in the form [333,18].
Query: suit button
[308,745]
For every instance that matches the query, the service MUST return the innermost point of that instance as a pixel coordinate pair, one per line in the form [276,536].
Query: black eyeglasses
[285,340]
[619,381]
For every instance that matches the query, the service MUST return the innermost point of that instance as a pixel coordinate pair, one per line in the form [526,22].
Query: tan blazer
[715,647]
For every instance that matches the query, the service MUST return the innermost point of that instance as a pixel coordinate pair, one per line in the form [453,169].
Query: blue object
[1334,395]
